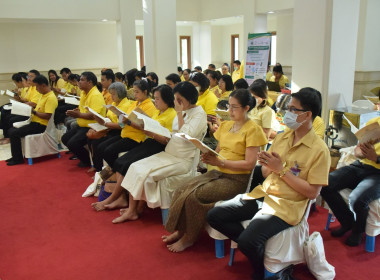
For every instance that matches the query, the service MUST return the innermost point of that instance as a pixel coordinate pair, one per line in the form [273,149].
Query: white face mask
[290,120]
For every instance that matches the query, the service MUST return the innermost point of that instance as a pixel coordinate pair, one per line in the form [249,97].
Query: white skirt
[143,175]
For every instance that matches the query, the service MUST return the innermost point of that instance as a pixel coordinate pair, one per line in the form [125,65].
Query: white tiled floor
[5,150]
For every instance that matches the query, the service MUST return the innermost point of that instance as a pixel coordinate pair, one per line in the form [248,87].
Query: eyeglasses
[294,109]
[232,107]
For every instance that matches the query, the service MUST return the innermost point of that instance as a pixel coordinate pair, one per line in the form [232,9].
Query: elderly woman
[164,102]
[97,146]
[142,176]
[239,141]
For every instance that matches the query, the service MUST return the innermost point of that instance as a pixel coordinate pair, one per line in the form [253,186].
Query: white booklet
[22,123]
[71,100]
[369,134]
[223,114]
[7,92]
[71,95]
[2,92]
[204,148]
[97,126]
[115,110]
[97,114]
[150,124]
[21,109]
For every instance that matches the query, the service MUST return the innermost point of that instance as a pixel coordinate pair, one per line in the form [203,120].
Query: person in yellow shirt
[363,178]
[295,168]
[238,144]
[75,139]
[130,136]
[186,75]
[153,78]
[180,73]
[106,79]
[226,86]
[238,71]
[279,77]
[65,74]
[211,67]
[241,83]
[269,73]
[56,82]
[206,99]
[226,69]
[119,77]
[214,77]
[39,120]
[172,80]
[165,114]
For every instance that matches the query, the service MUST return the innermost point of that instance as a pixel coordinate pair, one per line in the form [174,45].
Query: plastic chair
[38,145]
[372,228]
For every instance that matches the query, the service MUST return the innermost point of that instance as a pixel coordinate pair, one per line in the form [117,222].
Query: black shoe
[340,231]
[83,164]
[354,239]
[73,158]
[15,162]
[8,160]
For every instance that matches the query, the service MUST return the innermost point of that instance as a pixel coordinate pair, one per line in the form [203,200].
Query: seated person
[139,75]
[153,78]
[75,139]
[238,72]
[295,167]
[198,69]
[262,114]
[97,146]
[363,178]
[130,136]
[214,77]
[238,144]
[119,77]
[226,69]
[269,73]
[106,79]
[206,98]
[130,79]
[40,116]
[279,77]
[241,83]
[172,80]
[186,75]
[65,73]
[142,176]
[226,86]
[165,114]
[56,82]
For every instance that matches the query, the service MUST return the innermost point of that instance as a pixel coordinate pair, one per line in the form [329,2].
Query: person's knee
[247,244]
[213,217]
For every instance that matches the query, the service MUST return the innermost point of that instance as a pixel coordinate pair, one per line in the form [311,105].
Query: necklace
[235,129]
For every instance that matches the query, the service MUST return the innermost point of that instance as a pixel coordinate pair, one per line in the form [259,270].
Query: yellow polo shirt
[268,76]
[165,118]
[33,95]
[215,88]
[123,105]
[46,104]
[95,101]
[313,159]
[182,78]
[262,116]
[69,88]
[225,95]
[283,80]
[60,83]
[319,127]
[24,92]
[135,134]
[237,74]
[233,144]
[377,147]
[107,96]
[208,101]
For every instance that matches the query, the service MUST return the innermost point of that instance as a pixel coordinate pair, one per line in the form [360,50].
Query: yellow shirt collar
[307,140]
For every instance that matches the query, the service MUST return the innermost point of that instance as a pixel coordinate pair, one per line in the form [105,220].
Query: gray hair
[119,88]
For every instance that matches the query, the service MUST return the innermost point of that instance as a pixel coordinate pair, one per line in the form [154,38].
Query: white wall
[284,39]
[45,46]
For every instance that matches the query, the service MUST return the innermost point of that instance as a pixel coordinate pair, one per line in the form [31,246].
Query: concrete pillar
[160,40]
[126,36]
[324,49]
[201,44]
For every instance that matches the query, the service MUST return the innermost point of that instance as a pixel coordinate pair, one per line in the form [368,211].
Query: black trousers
[60,112]
[227,217]
[98,153]
[15,135]
[75,139]
[110,149]
[364,181]
[7,120]
[148,148]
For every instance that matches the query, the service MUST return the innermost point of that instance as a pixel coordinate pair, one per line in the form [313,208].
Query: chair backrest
[51,130]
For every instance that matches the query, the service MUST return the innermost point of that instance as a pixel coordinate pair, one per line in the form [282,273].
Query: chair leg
[59,155]
[164,214]
[30,161]
[219,248]
[328,221]
[369,243]
[232,257]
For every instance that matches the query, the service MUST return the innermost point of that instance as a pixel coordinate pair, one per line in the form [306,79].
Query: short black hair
[214,74]
[65,70]
[108,73]
[228,80]
[175,78]
[56,77]
[90,77]
[119,76]
[206,71]
[244,97]
[24,75]
[143,85]
[187,70]
[310,100]
[241,83]
[198,68]
[222,105]
[201,80]
[179,69]
[278,69]
[73,77]
[237,62]
[166,94]
[259,91]
[140,74]
[212,65]
[188,91]
[261,83]
[17,77]
[35,72]
[41,80]
[154,77]
[130,76]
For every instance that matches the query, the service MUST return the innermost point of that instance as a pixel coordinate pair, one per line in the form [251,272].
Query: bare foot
[118,203]
[126,216]
[98,206]
[123,210]
[92,169]
[172,237]
[180,245]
